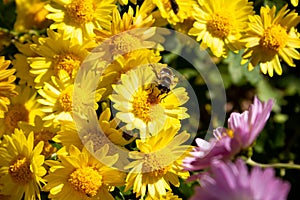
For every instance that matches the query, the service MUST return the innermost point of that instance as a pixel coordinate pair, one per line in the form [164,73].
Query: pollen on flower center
[123,44]
[141,106]
[156,164]
[274,38]
[219,25]
[16,113]
[81,11]
[65,99]
[86,180]
[19,170]
[225,133]
[68,62]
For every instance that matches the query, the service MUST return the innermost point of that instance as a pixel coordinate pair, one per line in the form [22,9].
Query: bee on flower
[146,105]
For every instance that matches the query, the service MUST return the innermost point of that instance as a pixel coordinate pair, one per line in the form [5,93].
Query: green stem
[274,165]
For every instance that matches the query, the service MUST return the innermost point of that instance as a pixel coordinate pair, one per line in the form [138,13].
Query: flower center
[156,164]
[97,139]
[68,62]
[219,25]
[141,106]
[274,38]
[86,180]
[65,99]
[154,96]
[124,44]
[45,136]
[19,170]
[224,133]
[81,11]
[15,113]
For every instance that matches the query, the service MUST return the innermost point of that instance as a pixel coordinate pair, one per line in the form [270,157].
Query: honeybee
[174,6]
[165,79]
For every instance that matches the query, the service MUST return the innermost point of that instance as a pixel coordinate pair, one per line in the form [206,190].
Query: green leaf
[235,68]
[265,92]
[240,74]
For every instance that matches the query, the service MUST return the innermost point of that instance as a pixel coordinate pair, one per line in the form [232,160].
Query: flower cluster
[127,134]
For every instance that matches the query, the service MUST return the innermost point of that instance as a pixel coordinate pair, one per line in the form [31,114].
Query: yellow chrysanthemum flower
[69,134]
[79,176]
[220,24]
[175,10]
[80,17]
[270,37]
[141,18]
[112,74]
[57,53]
[127,33]
[294,2]
[57,99]
[30,15]
[95,134]
[7,88]
[23,107]
[158,163]
[141,105]
[42,132]
[21,64]
[21,168]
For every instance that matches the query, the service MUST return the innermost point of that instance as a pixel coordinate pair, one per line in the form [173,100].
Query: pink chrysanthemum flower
[232,181]
[243,129]
[247,125]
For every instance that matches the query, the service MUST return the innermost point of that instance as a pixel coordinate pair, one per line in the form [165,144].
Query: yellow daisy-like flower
[30,15]
[57,99]
[57,52]
[141,18]
[80,17]
[112,74]
[80,136]
[120,40]
[141,105]
[7,88]
[23,107]
[220,24]
[175,10]
[158,163]
[42,132]
[21,64]
[69,134]
[270,37]
[79,176]
[21,169]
